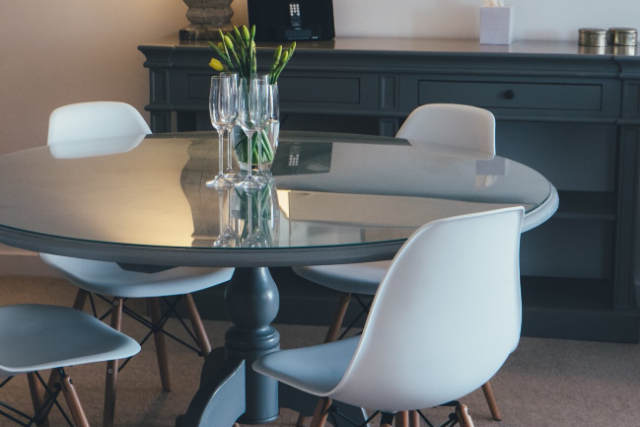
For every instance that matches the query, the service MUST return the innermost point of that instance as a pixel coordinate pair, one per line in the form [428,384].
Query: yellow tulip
[216,65]
[228,42]
[245,33]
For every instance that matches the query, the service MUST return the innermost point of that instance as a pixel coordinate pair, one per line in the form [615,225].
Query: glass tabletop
[328,191]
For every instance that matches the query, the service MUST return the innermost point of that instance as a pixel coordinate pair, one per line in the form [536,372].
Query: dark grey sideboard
[573,115]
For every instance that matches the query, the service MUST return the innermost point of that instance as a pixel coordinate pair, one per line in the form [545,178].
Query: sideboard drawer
[513,95]
[328,90]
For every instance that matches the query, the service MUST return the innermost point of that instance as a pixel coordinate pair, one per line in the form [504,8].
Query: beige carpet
[544,383]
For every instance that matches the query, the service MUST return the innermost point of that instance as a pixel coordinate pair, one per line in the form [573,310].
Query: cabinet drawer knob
[509,94]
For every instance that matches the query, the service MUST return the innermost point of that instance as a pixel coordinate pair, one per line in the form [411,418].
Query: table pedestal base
[252,302]
[229,389]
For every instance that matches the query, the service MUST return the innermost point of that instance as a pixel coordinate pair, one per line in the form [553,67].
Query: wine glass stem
[229,150]
[249,155]
[259,150]
[220,152]
[221,221]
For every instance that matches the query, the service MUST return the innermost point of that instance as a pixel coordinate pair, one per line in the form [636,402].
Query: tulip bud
[228,42]
[216,65]
[276,56]
[245,33]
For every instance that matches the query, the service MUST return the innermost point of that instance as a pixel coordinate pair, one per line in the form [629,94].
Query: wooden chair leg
[321,413]
[301,420]
[462,411]
[161,345]
[37,398]
[112,370]
[81,298]
[402,419]
[73,402]
[414,419]
[491,401]
[198,327]
[338,319]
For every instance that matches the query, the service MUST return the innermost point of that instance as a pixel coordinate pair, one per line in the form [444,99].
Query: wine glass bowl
[229,114]
[253,116]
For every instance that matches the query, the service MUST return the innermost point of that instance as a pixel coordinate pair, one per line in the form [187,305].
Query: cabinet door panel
[569,248]
[573,156]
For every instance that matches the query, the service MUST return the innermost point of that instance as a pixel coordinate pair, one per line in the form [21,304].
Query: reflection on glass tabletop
[328,191]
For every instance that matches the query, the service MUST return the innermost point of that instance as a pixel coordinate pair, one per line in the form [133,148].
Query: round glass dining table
[142,201]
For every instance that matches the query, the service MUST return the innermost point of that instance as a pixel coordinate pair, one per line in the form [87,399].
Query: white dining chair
[445,317]
[80,125]
[35,338]
[470,130]
[467,131]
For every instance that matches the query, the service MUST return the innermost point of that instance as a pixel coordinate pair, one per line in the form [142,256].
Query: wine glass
[252,118]
[273,127]
[218,122]
[227,236]
[229,114]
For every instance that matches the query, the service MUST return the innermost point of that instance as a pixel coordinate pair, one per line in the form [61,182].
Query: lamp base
[200,32]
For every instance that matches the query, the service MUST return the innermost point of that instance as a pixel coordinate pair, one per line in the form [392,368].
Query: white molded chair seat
[316,369]
[108,278]
[359,278]
[38,337]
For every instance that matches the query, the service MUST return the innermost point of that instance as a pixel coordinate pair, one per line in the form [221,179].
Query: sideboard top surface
[422,46]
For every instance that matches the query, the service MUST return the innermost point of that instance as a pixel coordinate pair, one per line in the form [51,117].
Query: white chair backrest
[100,119]
[445,317]
[468,129]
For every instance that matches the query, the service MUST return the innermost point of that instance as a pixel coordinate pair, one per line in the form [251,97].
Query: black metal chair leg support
[364,309]
[334,413]
[92,302]
[171,309]
[387,419]
[453,417]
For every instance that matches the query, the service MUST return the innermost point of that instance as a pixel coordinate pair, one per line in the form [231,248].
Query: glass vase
[265,142]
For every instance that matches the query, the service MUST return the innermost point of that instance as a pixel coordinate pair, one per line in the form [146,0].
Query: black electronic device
[286,20]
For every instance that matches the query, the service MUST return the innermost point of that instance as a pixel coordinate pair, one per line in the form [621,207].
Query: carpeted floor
[544,383]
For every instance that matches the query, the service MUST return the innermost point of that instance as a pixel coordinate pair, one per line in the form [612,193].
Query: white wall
[534,19]
[54,52]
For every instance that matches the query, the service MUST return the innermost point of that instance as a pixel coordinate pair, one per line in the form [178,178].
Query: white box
[496,25]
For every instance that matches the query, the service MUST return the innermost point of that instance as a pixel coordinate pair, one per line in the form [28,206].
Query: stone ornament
[206,17]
